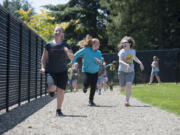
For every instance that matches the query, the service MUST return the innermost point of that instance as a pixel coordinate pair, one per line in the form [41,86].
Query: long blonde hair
[87,41]
[129,39]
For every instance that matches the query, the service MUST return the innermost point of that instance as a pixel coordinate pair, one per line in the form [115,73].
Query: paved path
[110,117]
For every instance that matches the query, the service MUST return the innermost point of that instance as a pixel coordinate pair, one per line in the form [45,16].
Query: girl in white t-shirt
[155,70]
[126,66]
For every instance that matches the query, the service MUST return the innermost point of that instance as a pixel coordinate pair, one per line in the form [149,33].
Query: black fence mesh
[169,64]
[20,54]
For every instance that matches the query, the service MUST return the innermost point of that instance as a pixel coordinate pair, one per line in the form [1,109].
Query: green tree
[154,24]
[40,23]
[14,5]
[85,17]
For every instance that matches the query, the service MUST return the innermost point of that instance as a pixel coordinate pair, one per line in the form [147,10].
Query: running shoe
[51,94]
[59,113]
[126,104]
[84,90]
[91,103]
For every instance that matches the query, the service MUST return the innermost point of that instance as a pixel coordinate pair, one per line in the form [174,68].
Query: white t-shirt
[127,56]
[156,68]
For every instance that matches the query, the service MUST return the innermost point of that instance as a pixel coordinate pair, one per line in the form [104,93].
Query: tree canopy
[85,17]
[153,24]
[13,5]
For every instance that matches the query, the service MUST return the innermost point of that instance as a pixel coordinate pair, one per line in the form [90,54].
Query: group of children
[106,76]
[73,74]
[96,72]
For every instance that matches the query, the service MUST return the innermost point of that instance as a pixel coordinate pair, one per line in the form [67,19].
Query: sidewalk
[110,117]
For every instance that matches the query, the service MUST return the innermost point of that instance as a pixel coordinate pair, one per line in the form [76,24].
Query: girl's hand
[69,65]
[128,67]
[42,70]
[96,59]
[141,67]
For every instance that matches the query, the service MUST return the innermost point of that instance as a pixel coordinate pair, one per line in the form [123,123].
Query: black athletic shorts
[59,80]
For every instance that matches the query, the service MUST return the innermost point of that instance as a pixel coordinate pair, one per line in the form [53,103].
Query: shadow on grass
[17,115]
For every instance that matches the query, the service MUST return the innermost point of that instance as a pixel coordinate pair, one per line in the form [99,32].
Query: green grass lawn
[165,96]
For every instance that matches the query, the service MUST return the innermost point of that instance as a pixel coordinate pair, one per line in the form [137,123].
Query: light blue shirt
[89,64]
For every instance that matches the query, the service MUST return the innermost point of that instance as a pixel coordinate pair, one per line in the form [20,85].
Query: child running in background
[70,78]
[126,66]
[91,59]
[155,70]
[102,78]
[75,74]
[111,71]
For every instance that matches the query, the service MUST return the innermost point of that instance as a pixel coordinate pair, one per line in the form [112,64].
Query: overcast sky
[38,3]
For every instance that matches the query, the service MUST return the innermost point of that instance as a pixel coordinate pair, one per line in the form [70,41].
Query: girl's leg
[76,86]
[51,85]
[100,88]
[105,85]
[128,91]
[158,79]
[151,79]
[93,83]
[52,88]
[86,82]
[60,97]
[122,88]
[73,85]
[61,86]
[111,86]
[122,80]
[129,80]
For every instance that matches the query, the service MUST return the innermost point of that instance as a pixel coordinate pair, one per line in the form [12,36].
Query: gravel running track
[110,117]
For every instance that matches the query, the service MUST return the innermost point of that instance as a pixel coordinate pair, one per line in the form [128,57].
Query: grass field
[165,96]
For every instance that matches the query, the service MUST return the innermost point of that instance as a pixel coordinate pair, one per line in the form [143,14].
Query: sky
[38,3]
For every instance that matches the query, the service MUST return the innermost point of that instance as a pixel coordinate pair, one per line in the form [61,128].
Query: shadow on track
[17,115]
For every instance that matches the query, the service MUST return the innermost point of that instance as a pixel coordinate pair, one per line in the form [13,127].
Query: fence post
[29,67]
[36,66]
[41,46]
[8,63]
[177,65]
[45,75]
[20,64]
